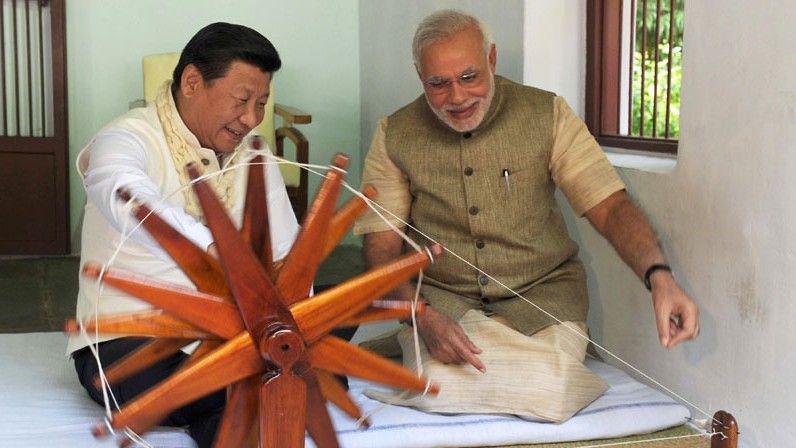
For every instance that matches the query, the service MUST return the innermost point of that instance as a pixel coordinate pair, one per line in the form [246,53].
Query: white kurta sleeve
[118,159]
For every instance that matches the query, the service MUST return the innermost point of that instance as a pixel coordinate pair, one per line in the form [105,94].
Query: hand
[446,340]
[676,314]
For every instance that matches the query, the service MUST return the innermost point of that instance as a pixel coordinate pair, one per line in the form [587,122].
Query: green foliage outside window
[649,70]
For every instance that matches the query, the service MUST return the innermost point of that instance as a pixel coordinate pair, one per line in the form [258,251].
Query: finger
[473,348]
[662,320]
[687,330]
[463,350]
[473,360]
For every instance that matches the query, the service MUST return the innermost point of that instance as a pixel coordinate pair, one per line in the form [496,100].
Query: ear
[191,81]
[417,69]
[492,58]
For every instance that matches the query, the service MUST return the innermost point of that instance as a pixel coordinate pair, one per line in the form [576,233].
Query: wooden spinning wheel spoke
[201,268]
[325,311]
[240,414]
[254,227]
[146,355]
[201,351]
[385,310]
[318,424]
[147,323]
[344,218]
[302,262]
[207,312]
[272,351]
[337,356]
[334,391]
[259,302]
[235,360]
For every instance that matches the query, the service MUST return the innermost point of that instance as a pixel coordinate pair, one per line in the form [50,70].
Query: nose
[457,94]
[252,116]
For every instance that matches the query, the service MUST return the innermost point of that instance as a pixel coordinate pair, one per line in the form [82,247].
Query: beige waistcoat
[508,226]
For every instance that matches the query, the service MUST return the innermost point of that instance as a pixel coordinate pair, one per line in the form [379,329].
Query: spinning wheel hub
[282,347]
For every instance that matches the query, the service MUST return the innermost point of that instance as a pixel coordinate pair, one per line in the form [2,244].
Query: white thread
[457,256]
[661,439]
[430,255]
[373,206]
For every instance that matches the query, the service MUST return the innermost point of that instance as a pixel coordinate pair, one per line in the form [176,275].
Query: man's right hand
[446,340]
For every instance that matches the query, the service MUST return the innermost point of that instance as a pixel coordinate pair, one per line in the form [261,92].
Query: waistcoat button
[468,171]
[473,210]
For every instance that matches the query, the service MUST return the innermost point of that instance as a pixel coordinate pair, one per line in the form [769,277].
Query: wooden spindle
[726,429]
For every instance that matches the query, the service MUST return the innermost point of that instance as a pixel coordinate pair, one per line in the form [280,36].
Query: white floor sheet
[43,405]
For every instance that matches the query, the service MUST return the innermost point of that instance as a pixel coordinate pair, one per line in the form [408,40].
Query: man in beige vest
[474,164]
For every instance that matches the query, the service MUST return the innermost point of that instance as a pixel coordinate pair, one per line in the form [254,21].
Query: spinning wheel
[261,336]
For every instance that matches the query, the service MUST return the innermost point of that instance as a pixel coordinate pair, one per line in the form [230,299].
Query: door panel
[33,128]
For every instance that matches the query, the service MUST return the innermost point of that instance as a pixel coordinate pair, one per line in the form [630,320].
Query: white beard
[470,123]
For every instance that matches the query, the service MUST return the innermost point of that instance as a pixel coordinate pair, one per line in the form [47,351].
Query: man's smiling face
[458,78]
[221,112]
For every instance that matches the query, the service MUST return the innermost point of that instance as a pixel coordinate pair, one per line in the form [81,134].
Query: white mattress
[43,405]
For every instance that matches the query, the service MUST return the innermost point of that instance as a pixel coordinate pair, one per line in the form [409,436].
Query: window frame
[603,74]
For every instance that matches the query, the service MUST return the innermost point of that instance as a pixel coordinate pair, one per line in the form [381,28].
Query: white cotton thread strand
[373,206]
[415,335]
[107,393]
[418,360]
[105,387]
[660,439]
[517,294]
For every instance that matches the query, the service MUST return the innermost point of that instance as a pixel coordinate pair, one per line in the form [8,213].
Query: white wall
[724,214]
[387,76]
[554,45]
[317,40]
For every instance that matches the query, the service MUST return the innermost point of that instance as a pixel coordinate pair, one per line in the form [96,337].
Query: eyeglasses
[467,78]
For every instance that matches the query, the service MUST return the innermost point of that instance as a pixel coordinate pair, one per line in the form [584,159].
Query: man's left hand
[677,316]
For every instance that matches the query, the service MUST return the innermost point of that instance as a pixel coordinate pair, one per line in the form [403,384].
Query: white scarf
[182,153]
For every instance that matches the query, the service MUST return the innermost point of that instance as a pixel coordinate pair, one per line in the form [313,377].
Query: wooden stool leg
[725,424]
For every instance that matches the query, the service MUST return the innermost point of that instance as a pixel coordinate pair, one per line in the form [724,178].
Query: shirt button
[205,162]
[484,301]
[483,280]
[467,134]
[480,244]
[468,171]
[473,210]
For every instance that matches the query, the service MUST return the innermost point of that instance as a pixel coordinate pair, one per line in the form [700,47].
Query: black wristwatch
[651,270]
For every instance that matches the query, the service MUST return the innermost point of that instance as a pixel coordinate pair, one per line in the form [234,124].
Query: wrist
[657,273]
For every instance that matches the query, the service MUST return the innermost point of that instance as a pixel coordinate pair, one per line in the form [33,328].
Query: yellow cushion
[160,67]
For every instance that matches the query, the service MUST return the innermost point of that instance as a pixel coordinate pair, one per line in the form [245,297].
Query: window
[633,73]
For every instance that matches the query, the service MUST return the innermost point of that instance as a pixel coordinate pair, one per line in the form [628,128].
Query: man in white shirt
[219,89]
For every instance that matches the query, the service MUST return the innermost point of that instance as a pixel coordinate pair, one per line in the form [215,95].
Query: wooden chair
[159,67]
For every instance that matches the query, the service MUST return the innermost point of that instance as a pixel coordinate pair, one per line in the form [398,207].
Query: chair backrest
[160,67]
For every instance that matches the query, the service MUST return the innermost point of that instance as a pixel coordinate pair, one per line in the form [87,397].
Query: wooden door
[33,128]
